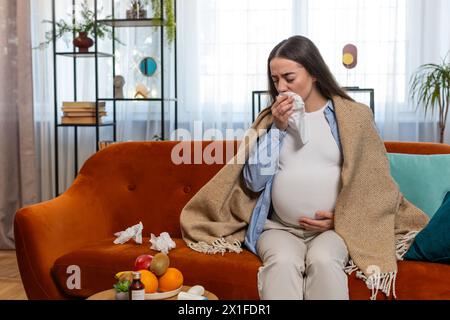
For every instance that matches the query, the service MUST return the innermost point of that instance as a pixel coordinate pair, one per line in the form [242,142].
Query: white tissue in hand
[162,243]
[134,232]
[297,120]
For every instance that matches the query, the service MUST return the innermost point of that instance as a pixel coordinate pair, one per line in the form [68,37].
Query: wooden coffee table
[111,295]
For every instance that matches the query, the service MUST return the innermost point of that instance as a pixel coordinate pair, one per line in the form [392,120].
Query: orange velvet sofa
[136,181]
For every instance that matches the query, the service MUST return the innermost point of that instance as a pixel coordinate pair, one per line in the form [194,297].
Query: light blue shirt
[261,167]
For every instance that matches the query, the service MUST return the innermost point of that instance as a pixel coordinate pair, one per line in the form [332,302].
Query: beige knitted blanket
[376,222]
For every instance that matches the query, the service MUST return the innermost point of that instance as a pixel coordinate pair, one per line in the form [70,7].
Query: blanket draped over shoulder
[376,222]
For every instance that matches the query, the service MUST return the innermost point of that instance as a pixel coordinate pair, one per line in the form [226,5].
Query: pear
[159,264]
[127,276]
[124,275]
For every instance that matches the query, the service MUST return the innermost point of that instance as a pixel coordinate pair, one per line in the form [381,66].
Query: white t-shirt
[308,176]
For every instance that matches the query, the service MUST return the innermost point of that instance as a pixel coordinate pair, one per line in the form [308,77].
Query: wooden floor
[11,287]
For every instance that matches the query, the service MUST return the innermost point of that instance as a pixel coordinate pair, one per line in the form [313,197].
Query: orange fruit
[172,279]
[149,280]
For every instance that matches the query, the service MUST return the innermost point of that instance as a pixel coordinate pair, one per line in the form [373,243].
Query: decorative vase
[83,42]
[136,14]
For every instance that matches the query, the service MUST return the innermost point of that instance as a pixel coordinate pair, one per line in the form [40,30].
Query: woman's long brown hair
[303,51]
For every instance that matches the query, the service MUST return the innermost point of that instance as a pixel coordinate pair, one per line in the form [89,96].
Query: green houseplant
[84,28]
[169,15]
[121,288]
[430,88]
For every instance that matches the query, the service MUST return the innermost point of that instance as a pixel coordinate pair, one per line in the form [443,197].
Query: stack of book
[82,112]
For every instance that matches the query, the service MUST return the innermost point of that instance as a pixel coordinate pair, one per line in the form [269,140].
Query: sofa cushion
[423,179]
[433,242]
[231,276]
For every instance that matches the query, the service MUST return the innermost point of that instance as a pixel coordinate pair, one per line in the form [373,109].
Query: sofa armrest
[45,231]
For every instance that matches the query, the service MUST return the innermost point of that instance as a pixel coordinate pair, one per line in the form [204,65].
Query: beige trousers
[300,264]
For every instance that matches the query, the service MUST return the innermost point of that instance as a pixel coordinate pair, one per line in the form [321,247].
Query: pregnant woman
[303,257]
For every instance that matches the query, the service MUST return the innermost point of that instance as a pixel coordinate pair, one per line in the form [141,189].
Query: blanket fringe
[377,281]
[219,245]
[403,244]
[383,281]
[380,281]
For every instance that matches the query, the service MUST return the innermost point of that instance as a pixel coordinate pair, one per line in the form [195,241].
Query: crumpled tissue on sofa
[162,243]
[133,232]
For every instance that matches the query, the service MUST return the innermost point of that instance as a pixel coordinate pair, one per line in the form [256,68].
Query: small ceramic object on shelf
[138,14]
[119,82]
[137,11]
[142,91]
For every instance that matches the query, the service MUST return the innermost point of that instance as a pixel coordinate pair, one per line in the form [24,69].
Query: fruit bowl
[162,295]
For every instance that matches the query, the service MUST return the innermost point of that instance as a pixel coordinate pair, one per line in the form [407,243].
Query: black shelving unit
[256,101]
[96,55]
[85,54]
[357,90]
[126,23]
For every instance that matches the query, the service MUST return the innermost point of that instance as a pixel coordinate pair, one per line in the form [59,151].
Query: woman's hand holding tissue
[282,109]
[289,110]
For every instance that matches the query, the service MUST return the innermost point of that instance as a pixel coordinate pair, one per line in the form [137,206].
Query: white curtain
[223,48]
[18,173]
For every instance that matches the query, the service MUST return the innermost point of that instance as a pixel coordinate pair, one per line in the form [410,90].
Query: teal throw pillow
[432,243]
[424,180]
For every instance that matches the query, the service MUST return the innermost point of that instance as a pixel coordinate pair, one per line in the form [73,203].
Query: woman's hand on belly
[324,221]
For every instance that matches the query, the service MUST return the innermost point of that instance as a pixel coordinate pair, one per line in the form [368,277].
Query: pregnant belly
[301,193]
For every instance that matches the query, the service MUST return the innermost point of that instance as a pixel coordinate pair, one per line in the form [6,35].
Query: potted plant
[169,15]
[122,287]
[430,88]
[137,10]
[83,30]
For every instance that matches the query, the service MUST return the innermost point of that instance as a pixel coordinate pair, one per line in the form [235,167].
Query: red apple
[143,262]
